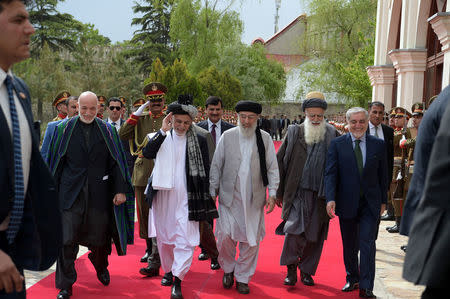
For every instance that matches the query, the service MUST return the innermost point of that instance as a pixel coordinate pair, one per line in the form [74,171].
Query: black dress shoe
[64,294]
[203,256]
[291,277]
[228,280]
[103,277]
[167,279]
[306,279]
[149,271]
[242,288]
[387,217]
[403,248]
[144,259]
[215,264]
[393,229]
[176,289]
[365,293]
[350,286]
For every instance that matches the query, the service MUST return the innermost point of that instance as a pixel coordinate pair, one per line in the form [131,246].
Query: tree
[261,79]
[199,29]
[152,40]
[45,77]
[338,31]
[222,84]
[59,31]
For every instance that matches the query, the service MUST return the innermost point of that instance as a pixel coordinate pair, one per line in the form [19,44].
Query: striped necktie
[19,192]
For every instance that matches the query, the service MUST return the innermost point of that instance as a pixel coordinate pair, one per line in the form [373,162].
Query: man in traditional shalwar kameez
[240,177]
[182,201]
[301,160]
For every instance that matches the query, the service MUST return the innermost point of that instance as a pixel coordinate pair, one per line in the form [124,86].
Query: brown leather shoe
[242,288]
[228,280]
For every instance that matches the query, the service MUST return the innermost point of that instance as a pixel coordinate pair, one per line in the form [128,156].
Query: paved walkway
[388,283]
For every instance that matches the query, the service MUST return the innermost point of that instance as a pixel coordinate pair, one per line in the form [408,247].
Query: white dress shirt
[379,130]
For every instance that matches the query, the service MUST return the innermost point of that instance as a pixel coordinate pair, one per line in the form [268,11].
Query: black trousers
[65,267]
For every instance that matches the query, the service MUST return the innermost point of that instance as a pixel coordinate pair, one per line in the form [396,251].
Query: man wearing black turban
[240,177]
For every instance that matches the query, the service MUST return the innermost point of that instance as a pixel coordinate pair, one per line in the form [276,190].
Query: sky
[112,18]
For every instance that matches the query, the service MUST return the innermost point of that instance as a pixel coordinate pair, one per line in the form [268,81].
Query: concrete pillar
[410,65]
[440,23]
[382,78]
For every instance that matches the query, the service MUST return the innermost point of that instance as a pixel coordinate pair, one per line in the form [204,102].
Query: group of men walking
[177,171]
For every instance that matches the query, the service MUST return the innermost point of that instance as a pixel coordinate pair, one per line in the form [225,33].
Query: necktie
[114,125]
[19,192]
[359,157]
[376,132]
[213,132]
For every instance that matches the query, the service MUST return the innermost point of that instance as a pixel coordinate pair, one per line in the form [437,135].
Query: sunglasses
[114,107]
[156,100]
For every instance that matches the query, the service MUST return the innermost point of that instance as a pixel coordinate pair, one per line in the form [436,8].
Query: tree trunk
[39,109]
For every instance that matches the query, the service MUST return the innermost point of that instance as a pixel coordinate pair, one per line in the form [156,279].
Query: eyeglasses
[115,107]
[156,100]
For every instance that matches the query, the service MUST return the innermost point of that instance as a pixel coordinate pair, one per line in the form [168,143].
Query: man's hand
[119,199]
[331,208]
[10,278]
[167,122]
[141,109]
[383,208]
[270,205]
[279,202]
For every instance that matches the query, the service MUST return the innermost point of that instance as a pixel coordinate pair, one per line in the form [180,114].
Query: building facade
[412,51]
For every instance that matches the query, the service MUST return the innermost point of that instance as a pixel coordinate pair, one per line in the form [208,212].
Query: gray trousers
[244,267]
[297,247]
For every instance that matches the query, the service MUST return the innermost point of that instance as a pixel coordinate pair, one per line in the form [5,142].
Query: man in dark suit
[356,190]
[378,129]
[214,124]
[95,192]
[30,221]
[422,151]
[427,262]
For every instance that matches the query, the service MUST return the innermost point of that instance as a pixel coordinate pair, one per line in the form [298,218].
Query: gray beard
[246,132]
[314,134]
[85,120]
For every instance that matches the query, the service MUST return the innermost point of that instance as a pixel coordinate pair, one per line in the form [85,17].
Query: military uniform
[102,102]
[60,98]
[399,152]
[135,131]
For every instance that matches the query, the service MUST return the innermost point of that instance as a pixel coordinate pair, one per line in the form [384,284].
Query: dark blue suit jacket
[38,241]
[51,126]
[342,179]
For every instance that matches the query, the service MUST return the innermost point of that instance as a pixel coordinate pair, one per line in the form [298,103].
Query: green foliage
[199,31]
[222,84]
[57,30]
[339,40]
[177,80]
[262,79]
[152,39]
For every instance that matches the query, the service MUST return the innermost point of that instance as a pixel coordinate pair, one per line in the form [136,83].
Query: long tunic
[242,220]
[170,207]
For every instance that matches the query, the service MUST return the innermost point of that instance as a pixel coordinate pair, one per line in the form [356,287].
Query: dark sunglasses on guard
[114,107]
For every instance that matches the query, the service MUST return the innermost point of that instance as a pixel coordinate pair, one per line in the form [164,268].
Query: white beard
[314,134]
[85,120]
[247,132]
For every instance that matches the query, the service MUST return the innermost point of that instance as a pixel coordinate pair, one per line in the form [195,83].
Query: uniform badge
[154,87]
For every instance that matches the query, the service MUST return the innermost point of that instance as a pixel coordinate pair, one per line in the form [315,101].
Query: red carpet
[201,282]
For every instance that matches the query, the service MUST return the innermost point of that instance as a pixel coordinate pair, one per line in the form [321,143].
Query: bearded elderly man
[301,160]
[240,177]
[95,192]
[182,203]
